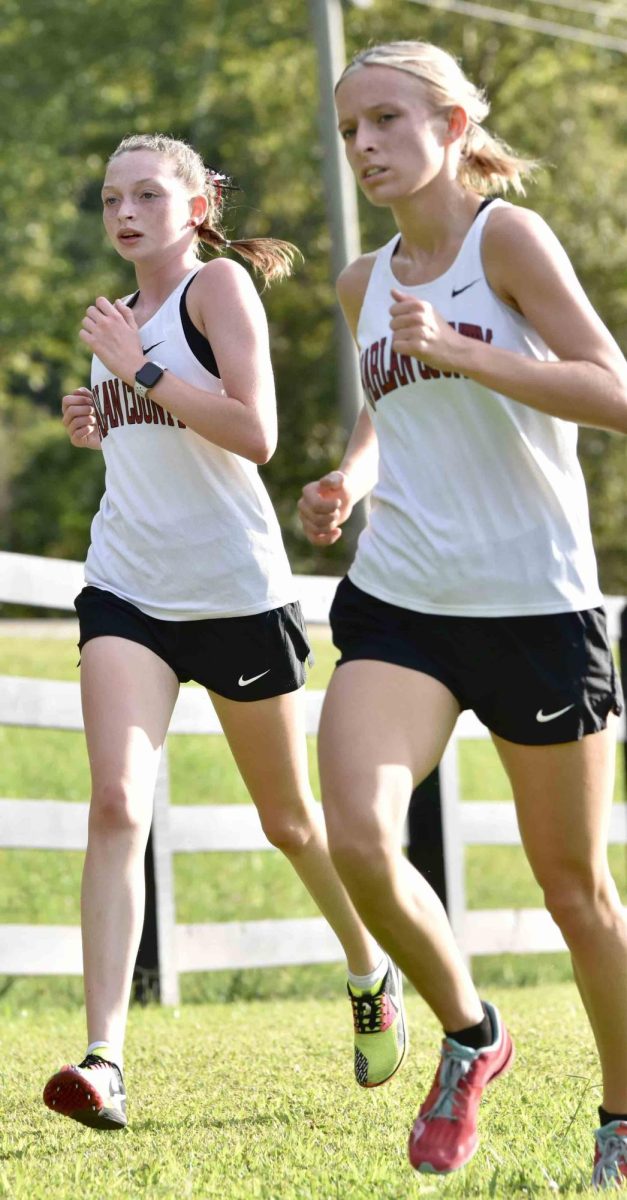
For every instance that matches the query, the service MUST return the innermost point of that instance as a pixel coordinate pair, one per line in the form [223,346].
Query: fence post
[146,973]
[156,975]
[425,849]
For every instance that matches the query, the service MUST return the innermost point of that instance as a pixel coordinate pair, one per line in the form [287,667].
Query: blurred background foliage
[239,80]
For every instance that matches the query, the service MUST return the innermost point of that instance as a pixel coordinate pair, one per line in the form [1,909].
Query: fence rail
[57,825]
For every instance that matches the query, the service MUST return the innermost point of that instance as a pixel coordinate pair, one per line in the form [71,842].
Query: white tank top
[185,529]
[480,508]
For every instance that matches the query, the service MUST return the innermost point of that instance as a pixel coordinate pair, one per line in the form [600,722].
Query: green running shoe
[381,1039]
[92,1092]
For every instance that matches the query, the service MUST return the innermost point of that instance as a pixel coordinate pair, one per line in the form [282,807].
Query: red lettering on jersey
[389,383]
[428,372]
[401,370]
[128,394]
[375,376]
[116,403]
[100,421]
[364,371]
[113,402]
[107,410]
[475,331]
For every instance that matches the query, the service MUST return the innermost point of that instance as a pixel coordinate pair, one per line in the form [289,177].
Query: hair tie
[226,243]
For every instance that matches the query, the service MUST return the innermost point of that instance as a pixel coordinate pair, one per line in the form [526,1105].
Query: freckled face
[146,207]
[395,143]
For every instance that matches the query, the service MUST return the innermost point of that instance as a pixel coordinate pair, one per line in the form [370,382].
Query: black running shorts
[535,680]
[241,658]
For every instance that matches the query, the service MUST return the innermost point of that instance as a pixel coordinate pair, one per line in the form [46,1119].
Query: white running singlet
[480,507]
[185,529]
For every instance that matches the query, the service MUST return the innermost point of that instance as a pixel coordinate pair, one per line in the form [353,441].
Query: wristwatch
[147,377]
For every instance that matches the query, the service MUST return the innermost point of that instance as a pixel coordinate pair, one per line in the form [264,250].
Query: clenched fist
[324,505]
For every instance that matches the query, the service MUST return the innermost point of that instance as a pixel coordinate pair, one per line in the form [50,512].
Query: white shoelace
[452,1072]
[613,1152]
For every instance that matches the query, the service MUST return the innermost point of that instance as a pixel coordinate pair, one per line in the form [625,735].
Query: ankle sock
[477,1037]
[105,1050]
[368,983]
[605,1117]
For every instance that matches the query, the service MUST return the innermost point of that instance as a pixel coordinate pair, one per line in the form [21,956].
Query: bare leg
[383,729]
[267,740]
[563,795]
[128,694]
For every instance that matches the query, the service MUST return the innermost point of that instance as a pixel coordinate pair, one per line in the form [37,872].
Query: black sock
[605,1117]
[477,1037]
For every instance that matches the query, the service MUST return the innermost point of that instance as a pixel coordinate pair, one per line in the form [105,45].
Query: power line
[609,12]
[572,33]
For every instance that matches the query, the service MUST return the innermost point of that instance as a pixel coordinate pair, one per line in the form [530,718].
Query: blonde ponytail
[271,257]
[487,164]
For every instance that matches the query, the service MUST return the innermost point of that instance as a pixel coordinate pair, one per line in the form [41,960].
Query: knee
[289,831]
[579,900]
[360,858]
[114,809]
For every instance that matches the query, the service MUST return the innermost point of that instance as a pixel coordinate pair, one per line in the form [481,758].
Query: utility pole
[341,199]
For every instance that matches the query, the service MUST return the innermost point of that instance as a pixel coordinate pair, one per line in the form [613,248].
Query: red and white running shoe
[444,1134]
[610,1156]
[92,1092]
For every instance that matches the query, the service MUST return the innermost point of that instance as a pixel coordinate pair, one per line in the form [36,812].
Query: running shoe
[381,1040]
[444,1135]
[610,1156]
[92,1093]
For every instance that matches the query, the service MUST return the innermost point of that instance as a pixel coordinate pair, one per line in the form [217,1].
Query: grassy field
[256,1100]
[246,1091]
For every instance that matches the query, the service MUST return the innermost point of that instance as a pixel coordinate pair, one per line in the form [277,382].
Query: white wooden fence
[58,825]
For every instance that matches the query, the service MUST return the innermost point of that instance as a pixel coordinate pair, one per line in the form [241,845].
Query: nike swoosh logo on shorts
[540,716]
[458,291]
[244,682]
[154,344]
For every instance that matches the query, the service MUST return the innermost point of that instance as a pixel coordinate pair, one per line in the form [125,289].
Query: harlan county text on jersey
[117,404]
[378,380]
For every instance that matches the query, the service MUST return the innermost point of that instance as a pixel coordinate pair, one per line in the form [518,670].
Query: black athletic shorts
[241,658]
[533,680]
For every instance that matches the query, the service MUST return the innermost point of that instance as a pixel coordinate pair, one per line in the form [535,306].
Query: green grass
[250,1096]
[257,1100]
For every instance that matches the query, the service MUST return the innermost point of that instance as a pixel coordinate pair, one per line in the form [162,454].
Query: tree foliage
[243,87]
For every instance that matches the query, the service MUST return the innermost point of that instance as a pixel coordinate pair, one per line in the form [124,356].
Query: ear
[198,206]
[457,124]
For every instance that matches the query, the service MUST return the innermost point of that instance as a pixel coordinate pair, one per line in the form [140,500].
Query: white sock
[367,983]
[105,1050]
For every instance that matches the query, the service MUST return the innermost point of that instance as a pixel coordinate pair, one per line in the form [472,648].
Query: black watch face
[149,374]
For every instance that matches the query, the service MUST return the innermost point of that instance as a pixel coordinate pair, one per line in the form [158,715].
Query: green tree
[78,75]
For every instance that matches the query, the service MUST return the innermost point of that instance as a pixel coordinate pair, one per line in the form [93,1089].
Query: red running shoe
[610,1156]
[444,1134]
[92,1093]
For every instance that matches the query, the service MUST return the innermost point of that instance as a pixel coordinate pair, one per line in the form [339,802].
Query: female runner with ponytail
[474,584]
[187,578]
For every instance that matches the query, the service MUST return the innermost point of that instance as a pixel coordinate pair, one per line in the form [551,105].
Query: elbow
[618,416]
[262,449]
[263,442]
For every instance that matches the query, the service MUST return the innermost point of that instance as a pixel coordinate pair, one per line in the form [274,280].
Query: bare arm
[224,304]
[326,503]
[528,268]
